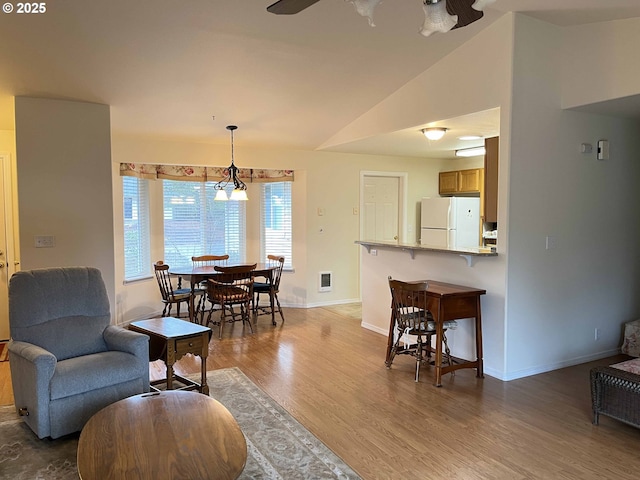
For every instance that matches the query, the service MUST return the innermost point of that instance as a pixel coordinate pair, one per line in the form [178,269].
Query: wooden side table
[447,301]
[162,436]
[170,339]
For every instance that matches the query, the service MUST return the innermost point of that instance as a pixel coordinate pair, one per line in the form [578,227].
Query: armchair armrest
[32,368]
[42,360]
[123,340]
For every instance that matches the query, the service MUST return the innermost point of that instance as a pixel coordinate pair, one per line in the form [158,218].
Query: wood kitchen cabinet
[461,181]
[490,187]
[448,183]
[470,180]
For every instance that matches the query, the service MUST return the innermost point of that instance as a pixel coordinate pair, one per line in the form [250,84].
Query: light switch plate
[44,241]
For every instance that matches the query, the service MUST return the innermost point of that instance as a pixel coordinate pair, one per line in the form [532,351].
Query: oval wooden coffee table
[166,435]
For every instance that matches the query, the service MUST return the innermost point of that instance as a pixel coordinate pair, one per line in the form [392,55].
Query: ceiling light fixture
[466,138]
[440,15]
[239,188]
[434,133]
[470,152]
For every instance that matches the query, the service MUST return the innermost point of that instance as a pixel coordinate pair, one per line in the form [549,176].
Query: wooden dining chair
[175,296]
[271,288]
[232,287]
[413,323]
[207,261]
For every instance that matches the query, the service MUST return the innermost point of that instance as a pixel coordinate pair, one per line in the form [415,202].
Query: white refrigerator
[450,222]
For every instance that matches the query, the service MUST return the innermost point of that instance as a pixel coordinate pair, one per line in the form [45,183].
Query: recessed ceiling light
[470,152]
[469,137]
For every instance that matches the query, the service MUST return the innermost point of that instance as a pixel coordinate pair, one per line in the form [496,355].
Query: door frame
[403,179]
[10,257]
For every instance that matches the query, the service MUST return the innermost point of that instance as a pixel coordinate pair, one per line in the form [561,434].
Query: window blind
[276,224]
[195,224]
[137,258]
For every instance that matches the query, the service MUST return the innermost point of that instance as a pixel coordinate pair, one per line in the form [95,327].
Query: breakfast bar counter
[413,248]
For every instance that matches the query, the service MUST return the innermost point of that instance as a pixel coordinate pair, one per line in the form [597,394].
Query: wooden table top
[210,270]
[166,435]
[170,327]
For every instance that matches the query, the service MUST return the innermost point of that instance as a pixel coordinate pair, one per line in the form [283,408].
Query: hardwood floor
[329,373]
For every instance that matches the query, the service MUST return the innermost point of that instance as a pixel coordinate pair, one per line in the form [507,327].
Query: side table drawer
[189,345]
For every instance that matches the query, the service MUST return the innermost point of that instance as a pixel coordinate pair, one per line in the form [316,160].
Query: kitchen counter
[467,253]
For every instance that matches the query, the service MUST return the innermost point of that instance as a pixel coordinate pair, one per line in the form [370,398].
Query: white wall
[556,298]
[600,62]
[64,184]
[322,180]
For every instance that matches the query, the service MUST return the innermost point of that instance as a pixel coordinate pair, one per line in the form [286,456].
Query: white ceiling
[167,66]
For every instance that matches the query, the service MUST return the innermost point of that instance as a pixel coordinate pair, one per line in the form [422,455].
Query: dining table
[196,275]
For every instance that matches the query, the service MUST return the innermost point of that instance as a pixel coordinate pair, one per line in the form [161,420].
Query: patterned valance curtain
[201,174]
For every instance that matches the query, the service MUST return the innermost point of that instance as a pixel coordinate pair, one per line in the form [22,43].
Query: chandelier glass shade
[434,133]
[239,188]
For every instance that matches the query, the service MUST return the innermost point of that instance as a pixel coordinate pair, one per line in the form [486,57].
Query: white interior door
[380,208]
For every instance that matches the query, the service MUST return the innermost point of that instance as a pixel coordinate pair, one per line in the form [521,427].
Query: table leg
[192,302]
[437,315]
[392,325]
[204,388]
[480,370]
[170,360]
[272,303]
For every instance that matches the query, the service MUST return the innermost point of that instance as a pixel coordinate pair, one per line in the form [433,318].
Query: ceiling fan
[440,15]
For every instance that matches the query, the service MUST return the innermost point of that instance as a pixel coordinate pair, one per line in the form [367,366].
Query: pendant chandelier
[239,188]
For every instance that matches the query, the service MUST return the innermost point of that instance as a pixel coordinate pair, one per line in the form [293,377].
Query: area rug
[278,446]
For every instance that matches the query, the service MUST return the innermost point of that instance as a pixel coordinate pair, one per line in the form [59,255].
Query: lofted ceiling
[167,66]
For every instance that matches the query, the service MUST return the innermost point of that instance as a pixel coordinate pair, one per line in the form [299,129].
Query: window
[195,224]
[137,259]
[276,221]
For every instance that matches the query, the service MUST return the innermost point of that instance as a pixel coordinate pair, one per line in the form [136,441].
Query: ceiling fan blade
[289,7]
[466,14]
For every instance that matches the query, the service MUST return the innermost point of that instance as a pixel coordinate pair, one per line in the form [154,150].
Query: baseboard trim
[555,366]
[374,328]
[326,304]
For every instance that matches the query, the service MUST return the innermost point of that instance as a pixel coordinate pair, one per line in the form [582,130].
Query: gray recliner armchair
[67,362]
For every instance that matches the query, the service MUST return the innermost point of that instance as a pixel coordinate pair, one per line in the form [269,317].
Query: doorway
[382,204]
